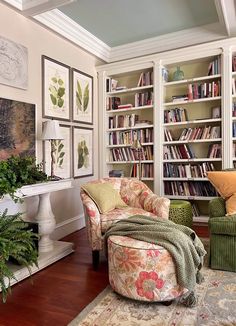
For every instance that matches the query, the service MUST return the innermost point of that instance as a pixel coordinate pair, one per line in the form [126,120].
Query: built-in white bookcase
[133,91]
[191,131]
[204,129]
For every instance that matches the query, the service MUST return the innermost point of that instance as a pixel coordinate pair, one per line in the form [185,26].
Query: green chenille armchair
[222,237]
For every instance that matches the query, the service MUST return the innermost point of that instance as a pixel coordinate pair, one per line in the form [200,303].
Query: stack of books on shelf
[203,90]
[189,188]
[145,79]
[116,174]
[233,86]
[206,132]
[234,63]
[214,67]
[234,129]
[175,115]
[122,121]
[125,106]
[142,123]
[146,171]
[183,151]
[112,85]
[195,210]
[234,109]
[214,151]
[128,154]
[112,103]
[179,98]
[187,170]
[127,137]
[142,99]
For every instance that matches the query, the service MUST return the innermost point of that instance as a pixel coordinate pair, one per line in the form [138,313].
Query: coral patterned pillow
[157,205]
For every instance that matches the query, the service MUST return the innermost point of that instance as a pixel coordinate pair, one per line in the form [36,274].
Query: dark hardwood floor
[60,291]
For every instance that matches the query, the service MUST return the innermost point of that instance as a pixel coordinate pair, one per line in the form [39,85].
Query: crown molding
[226,10]
[15,3]
[66,27]
[69,29]
[170,41]
[36,7]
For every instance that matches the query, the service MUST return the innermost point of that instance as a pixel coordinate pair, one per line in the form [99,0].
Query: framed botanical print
[61,154]
[56,92]
[82,97]
[82,152]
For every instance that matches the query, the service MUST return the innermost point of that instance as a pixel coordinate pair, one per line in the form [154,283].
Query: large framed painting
[82,152]
[61,154]
[56,89]
[82,97]
[17,128]
[13,64]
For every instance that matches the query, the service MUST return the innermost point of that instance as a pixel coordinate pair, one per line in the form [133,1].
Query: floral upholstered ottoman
[141,270]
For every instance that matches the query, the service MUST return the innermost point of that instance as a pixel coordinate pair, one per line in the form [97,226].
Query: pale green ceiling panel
[124,21]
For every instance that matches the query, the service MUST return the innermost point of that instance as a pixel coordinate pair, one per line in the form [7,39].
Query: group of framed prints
[68,97]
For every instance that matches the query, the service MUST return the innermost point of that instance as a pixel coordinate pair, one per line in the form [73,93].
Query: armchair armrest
[154,204]
[93,222]
[217,207]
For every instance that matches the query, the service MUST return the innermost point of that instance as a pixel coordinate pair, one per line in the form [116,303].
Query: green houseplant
[18,171]
[17,242]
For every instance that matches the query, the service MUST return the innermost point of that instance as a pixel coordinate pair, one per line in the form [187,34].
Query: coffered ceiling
[120,29]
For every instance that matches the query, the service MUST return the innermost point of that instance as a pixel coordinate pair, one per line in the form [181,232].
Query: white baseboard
[68,226]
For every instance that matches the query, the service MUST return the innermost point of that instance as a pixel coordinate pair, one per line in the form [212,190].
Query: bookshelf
[193,120]
[192,132]
[129,107]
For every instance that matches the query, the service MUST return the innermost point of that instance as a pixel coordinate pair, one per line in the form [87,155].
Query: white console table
[49,251]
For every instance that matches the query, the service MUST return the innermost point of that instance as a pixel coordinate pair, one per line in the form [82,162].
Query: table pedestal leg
[46,222]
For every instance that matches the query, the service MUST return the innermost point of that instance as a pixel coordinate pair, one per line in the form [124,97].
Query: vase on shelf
[178,74]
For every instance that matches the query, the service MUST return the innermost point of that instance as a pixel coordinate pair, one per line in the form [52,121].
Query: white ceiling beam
[36,7]
[226,10]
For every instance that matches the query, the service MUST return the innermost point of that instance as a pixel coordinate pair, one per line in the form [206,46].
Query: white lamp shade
[51,130]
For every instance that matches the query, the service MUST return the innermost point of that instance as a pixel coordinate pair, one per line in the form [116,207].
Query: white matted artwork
[13,64]
[56,92]
[82,152]
[82,97]
[61,154]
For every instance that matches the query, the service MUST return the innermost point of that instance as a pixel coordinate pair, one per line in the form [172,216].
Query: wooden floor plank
[60,291]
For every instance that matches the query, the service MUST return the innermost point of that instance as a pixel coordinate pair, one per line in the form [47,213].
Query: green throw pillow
[105,196]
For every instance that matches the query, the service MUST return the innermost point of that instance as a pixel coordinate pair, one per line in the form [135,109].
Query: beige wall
[40,41]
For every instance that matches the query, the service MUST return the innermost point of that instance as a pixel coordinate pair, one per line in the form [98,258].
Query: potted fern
[17,242]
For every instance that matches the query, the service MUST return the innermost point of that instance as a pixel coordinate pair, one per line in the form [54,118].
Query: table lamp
[137,147]
[51,132]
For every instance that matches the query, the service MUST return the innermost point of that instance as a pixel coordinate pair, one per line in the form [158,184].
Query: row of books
[122,121]
[112,103]
[142,99]
[127,137]
[202,90]
[129,154]
[185,151]
[147,170]
[234,109]
[214,67]
[175,115]
[189,188]
[206,132]
[234,129]
[195,210]
[145,79]
[234,63]
[112,85]
[186,170]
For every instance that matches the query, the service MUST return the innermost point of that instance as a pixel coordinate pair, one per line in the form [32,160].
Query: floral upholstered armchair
[140,200]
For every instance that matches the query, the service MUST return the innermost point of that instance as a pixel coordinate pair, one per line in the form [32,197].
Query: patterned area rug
[216,306]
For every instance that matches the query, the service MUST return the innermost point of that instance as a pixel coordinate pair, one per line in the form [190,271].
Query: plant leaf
[60,82]
[61,91]
[86,97]
[60,102]
[53,99]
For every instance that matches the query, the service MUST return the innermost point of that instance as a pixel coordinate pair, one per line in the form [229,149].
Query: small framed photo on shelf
[56,89]
[82,152]
[215,112]
[61,154]
[82,97]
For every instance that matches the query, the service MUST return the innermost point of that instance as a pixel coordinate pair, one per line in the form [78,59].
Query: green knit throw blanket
[180,241]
